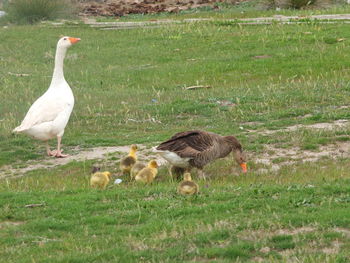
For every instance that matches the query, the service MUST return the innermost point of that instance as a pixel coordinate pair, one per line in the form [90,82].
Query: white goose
[49,114]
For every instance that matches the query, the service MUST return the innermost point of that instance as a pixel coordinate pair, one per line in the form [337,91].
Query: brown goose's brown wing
[189,143]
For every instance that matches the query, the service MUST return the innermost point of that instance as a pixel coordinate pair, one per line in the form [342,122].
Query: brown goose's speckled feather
[200,146]
[189,143]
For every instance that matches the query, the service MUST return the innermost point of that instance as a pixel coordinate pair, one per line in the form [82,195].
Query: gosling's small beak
[74,40]
[244,167]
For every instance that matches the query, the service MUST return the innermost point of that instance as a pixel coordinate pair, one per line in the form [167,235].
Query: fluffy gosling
[147,174]
[187,186]
[100,179]
[138,166]
[128,161]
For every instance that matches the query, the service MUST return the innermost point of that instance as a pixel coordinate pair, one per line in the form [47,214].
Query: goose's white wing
[44,109]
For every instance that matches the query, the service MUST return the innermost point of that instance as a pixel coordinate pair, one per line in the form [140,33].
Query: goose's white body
[175,159]
[49,114]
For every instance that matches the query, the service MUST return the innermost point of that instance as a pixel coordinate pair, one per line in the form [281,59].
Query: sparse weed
[31,11]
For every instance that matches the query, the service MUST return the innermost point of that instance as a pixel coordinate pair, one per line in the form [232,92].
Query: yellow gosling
[128,161]
[147,174]
[100,179]
[187,186]
[137,167]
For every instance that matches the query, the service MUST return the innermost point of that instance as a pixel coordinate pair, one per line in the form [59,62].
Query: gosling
[187,186]
[100,180]
[147,174]
[128,161]
[138,166]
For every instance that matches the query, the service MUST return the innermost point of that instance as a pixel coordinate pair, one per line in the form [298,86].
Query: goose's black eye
[65,38]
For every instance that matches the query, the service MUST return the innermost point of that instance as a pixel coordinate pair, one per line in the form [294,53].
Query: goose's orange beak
[74,40]
[244,167]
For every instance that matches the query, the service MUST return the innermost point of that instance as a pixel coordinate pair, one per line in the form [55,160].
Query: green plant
[282,242]
[31,11]
[295,4]
[298,4]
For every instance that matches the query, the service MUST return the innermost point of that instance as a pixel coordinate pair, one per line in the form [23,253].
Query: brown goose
[198,148]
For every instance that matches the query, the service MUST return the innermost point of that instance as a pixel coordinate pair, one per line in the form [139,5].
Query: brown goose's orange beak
[74,40]
[244,167]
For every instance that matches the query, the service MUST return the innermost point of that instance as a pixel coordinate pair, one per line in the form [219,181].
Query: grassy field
[128,86]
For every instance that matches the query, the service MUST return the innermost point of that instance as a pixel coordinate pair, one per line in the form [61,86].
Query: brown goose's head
[237,151]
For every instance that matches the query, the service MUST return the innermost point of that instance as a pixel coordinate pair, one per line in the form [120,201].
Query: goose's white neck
[58,75]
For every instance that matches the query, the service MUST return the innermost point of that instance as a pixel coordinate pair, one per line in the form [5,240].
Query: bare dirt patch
[97,153]
[295,231]
[282,18]
[258,259]
[344,231]
[260,234]
[137,245]
[290,255]
[5,224]
[271,153]
[125,7]
[292,155]
[316,126]
[333,249]
[119,8]
[295,155]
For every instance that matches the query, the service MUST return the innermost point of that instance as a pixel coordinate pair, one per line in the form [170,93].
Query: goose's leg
[178,172]
[201,174]
[48,151]
[59,151]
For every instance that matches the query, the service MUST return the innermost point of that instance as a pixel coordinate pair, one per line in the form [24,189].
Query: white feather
[49,114]
[174,159]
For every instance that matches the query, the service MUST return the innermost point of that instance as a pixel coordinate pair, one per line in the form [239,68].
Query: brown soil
[125,7]
[254,235]
[271,153]
[97,153]
[5,224]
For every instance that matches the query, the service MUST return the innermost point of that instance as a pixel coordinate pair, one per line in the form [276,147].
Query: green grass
[282,242]
[126,75]
[122,79]
[231,219]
